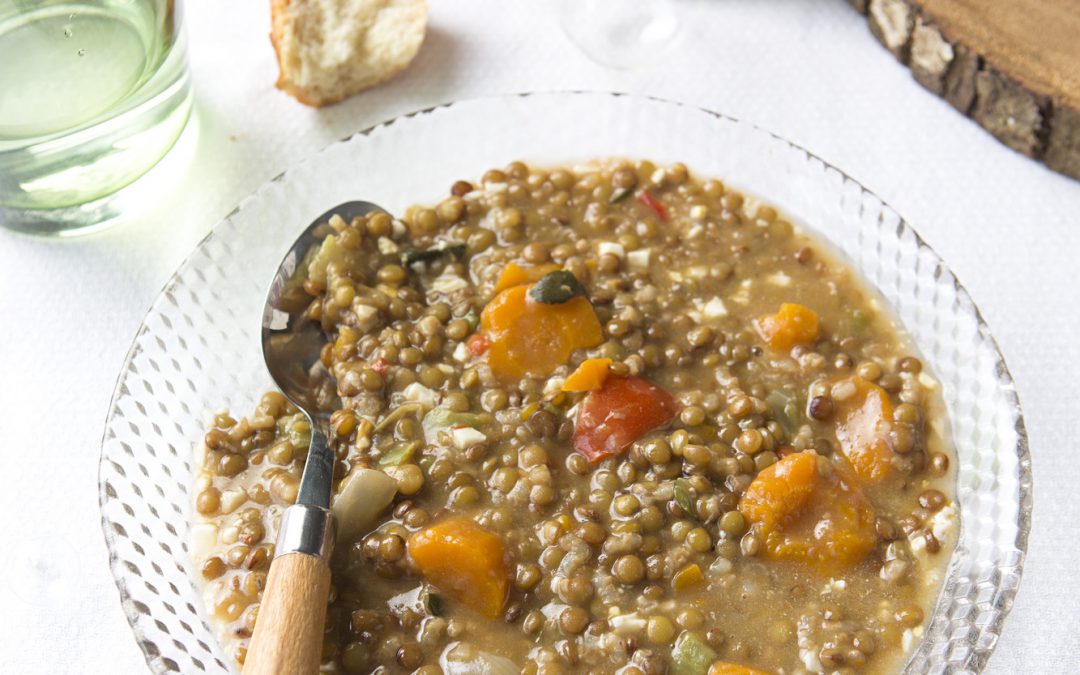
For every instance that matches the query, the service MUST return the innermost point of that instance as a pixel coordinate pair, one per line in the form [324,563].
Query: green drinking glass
[93,93]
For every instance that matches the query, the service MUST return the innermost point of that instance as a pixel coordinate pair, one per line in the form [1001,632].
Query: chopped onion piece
[363,495]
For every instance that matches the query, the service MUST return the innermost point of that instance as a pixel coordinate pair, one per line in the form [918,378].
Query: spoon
[288,636]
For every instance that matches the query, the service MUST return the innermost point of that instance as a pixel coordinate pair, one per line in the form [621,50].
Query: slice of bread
[328,50]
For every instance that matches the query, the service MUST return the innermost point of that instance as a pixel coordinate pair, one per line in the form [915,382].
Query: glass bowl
[198,351]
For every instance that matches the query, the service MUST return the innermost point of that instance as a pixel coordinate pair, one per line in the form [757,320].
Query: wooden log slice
[1012,65]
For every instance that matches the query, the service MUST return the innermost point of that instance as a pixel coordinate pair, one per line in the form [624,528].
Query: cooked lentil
[760,476]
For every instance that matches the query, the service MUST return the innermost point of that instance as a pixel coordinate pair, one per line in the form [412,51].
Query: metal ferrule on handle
[306,529]
[288,638]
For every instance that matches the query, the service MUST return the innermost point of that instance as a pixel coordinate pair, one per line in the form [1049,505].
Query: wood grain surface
[288,636]
[1011,65]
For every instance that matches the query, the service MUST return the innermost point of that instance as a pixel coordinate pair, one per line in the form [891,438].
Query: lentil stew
[607,418]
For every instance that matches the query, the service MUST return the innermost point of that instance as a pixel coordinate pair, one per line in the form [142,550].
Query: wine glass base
[622,34]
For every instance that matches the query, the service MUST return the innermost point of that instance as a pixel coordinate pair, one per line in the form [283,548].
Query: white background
[809,71]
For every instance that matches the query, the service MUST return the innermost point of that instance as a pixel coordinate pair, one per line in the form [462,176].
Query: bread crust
[282,20]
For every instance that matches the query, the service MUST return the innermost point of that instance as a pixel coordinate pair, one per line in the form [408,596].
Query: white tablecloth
[810,71]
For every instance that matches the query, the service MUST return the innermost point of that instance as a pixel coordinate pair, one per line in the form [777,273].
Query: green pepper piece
[434,604]
[444,418]
[619,195]
[557,287]
[683,497]
[860,323]
[551,408]
[300,439]
[785,409]
[473,320]
[691,655]
[414,256]
[398,454]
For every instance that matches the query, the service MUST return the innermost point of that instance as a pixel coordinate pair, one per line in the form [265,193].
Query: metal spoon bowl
[288,635]
[291,344]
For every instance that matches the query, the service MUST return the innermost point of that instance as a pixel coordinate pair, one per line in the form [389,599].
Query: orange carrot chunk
[863,421]
[810,513]
[588,376]
[792,325]
[688,577]
[465,561]
[515,275]
[534,338]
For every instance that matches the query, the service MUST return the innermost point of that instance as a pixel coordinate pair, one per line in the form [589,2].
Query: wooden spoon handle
[288,637]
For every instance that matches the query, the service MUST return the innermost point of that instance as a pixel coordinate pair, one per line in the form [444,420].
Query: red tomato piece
[477,344]
[380,366]
[617,414]
[653,203]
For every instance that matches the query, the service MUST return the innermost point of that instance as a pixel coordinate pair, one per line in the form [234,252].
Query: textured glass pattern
[197,351]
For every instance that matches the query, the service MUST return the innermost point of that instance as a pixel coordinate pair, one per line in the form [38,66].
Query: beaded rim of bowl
[182,349]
